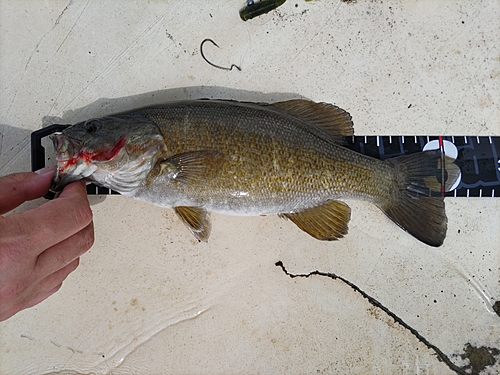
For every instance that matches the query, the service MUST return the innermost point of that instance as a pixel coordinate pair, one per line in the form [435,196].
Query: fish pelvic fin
[332,120]
[411,206]
[197,220]
[326,222]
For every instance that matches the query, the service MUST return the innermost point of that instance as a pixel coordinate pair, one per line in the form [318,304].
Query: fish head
[116,152]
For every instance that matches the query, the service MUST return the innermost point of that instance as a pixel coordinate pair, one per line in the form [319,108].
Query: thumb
[18,188]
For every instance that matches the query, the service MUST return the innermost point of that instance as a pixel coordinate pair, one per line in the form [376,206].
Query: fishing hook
[215,66]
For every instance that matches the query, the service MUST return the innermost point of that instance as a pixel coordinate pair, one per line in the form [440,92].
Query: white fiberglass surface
[261,296]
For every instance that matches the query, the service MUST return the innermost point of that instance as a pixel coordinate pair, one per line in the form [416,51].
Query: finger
[63,253]
[18,188]
[50,284]
[29,233]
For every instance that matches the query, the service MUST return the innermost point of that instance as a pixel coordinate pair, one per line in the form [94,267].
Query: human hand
[39,248]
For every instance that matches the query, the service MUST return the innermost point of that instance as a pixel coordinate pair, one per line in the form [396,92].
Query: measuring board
[477,157]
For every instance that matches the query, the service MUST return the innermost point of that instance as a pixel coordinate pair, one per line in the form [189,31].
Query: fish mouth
[61,179]
[75,161]
[65,146]
[68,163]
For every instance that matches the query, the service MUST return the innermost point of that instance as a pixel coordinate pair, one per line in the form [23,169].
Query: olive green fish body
[238,158]
[269,162]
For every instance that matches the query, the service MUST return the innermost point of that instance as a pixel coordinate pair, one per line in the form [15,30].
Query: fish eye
[90,127]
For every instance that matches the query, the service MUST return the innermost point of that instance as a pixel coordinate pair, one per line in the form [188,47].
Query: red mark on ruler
[443,166]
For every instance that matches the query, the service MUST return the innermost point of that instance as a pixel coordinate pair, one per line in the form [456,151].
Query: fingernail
[46,170]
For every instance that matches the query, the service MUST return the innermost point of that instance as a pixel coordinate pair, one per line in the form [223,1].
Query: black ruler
[477,157]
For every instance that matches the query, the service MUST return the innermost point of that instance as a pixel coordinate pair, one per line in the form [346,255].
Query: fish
[246,159]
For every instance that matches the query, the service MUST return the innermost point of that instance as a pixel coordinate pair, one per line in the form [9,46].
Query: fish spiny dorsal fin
[327,222]
[333,120]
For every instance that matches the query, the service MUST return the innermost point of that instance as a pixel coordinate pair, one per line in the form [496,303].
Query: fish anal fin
[327,222]
[192,166]
[331,119]
[197,220]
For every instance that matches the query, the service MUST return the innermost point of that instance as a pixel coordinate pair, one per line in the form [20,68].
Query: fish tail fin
[412,205]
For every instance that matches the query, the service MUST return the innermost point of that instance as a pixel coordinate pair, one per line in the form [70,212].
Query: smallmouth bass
[241,158]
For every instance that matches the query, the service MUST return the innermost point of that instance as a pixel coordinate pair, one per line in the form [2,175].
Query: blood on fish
[96,155]
[106,154]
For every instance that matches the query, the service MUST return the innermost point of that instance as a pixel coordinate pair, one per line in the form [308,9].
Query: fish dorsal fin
[197,220]
[326,222]
[333,120]
[192,166]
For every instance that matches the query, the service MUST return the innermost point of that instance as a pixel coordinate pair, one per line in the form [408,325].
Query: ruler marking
[476,165]
[467,193]
[403,139]
[480,193]
[452,139]
[366,140]
[478,141]
[390,139]
[465,139]
[490,140]
[492,193]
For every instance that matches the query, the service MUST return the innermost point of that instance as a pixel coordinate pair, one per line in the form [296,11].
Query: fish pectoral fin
[334,121]
[327,222]
[192,166]
[197,220]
